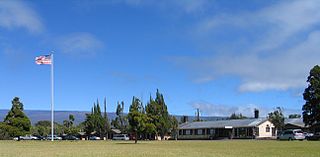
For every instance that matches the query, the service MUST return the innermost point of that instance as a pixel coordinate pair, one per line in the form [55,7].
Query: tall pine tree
[120,122]
[311,109]
[95,122]
[18,123]
[157,112]
[106,128]
[137,118]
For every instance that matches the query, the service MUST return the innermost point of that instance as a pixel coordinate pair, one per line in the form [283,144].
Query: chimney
[198,115]
[256,113]
[184,119]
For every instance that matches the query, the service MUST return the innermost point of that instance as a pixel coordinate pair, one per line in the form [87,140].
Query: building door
[273,131]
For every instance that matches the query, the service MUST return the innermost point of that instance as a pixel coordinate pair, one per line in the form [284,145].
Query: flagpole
[52,98]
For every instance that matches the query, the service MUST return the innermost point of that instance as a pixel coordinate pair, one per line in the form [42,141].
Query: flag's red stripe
[43,59]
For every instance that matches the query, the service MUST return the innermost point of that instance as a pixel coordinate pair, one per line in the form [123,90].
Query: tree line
[149,121]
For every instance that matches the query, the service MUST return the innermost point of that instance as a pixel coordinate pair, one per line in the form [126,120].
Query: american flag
[44,59]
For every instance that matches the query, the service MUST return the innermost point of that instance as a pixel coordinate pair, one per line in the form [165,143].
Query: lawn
[229,148]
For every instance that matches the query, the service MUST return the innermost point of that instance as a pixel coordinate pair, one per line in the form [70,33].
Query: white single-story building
[239,128]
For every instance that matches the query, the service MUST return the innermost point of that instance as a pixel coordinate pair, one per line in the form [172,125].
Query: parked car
[295,134]
[120,137]
[70,137]
[55,137]
[27,137]
[40,137]
[314,137]
[94,138]
[308,134]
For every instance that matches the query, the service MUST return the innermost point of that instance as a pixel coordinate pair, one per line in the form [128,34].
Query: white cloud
[279,53]
[289,20]
[79,44]
[209,109]
[17,14]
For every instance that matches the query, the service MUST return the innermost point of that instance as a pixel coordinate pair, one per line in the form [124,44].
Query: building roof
[117,131]
[236,123]
[295,121]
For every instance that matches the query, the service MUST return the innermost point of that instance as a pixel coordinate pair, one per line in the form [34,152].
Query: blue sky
[219,56]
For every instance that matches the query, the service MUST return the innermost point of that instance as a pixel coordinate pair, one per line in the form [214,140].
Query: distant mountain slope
[60,116]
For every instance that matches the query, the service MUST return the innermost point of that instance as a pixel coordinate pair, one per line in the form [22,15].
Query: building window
[203,131]
[180,132]
[212,131]
[268,128]
[184,132]
[257,131]
[208,132]
[188,132]
[242,132]
[199,132]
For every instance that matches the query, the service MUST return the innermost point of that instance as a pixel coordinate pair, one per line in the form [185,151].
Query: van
[120,137]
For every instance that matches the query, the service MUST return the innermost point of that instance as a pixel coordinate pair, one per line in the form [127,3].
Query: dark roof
[295,121]
[223,123]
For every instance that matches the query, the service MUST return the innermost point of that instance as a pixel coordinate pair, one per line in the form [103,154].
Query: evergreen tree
[99,121]
[4,131]
[89,124]
[277,118]
[42,128]
[106,128]
[120,122]
[174,129]
[153,115]
[311,109]
[17,122]
[137,118]
[237,116]
[294,116]
[157,112]
[164,119]
[94,122]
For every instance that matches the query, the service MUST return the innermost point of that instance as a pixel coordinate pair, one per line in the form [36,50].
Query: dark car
[94,138]
[70,137]
[314,137]
[40,137]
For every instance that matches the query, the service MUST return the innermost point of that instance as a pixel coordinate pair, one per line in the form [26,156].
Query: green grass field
[230,148]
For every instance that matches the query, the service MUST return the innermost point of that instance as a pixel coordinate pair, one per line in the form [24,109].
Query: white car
[28,137]
[55,137]
[295,134]
[120,137]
